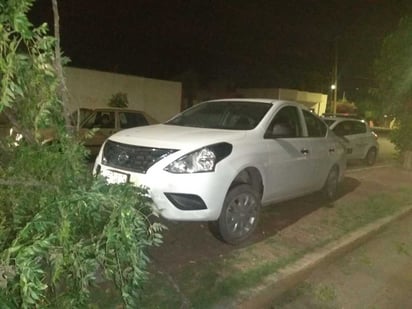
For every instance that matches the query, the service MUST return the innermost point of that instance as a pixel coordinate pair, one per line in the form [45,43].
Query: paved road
[378,274]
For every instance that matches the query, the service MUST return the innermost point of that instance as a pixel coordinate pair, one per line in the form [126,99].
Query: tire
[239,216]
[330,188]
[370,157]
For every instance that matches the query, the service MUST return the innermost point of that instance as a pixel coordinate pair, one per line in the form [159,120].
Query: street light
[333,87]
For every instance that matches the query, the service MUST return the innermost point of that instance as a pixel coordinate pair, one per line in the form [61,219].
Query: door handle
[304,151]
[331,149]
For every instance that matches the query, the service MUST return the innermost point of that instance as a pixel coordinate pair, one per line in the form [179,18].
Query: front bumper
[180,197]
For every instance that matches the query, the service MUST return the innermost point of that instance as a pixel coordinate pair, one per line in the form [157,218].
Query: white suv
[221,160]
[361,141]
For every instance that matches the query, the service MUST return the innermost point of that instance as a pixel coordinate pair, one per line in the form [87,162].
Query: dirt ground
[188,242]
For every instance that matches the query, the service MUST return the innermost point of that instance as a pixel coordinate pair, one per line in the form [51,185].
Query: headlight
[201,160]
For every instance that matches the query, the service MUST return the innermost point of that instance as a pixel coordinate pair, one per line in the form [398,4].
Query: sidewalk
[377,274]
[317,234]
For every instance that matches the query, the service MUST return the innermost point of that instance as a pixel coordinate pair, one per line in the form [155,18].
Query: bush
[61,228]
[401,135]
[119,100]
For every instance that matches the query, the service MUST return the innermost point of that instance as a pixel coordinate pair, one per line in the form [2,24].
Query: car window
[343,128]
[230,115]
[285,123]
[80,115]
[315,126]
[349,127]
[130,120]
[358,127]
[100,119]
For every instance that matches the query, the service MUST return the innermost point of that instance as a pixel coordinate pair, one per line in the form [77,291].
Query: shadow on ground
[192,242]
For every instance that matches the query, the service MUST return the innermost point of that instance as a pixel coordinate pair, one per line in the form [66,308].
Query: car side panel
[289,169]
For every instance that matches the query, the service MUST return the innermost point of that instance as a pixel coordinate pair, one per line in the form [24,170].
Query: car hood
[175,137]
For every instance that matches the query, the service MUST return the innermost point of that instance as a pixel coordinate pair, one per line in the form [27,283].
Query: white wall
[161,99]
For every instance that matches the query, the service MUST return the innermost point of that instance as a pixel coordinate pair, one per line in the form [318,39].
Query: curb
[365,168]
[274,285]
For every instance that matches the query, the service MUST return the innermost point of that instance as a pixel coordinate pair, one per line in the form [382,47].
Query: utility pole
[335,78]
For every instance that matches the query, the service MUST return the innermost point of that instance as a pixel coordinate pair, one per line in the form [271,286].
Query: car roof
[119,109]
[257,100]
[114,109]
[341,115]
[343,119]
[261,100]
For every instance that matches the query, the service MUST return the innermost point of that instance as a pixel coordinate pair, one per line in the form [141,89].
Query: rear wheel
[370,157]
[330,188]
[239,216]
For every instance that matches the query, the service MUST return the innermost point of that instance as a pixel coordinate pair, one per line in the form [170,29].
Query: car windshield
[79,115]
[229,115]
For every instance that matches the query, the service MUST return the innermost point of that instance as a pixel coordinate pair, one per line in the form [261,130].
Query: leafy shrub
[119,100]
[60,229]
[401,135]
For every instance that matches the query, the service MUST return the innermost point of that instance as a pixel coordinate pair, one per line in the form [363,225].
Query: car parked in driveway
[107,121]
[220,160]
[361,142]
[102,122]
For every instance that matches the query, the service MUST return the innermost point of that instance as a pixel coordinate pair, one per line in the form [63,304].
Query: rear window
[130,120]
[349,127]
[329,122]
[315,126]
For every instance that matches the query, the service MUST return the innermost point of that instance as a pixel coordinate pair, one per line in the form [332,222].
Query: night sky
[253,43]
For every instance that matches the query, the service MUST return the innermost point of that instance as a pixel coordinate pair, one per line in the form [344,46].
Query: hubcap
[241,215]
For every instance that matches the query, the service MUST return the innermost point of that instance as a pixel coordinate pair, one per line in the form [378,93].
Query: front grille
[132,158]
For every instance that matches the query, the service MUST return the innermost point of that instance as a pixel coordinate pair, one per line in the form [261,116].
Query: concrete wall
[315,101]
[87,88]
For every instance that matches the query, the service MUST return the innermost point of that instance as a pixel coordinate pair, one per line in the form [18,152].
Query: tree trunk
[407,160]
[58,64]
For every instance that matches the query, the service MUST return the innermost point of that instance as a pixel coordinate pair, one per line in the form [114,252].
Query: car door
[322,151]
[360,139]
[353,132]
[288,168]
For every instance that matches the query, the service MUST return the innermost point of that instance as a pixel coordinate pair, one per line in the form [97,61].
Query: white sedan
[361,142]
[220,160]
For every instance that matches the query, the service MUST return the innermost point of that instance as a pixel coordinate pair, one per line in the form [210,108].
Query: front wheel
[239,216]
